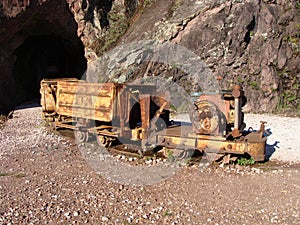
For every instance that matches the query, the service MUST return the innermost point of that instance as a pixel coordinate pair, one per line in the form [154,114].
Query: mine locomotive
[138,113]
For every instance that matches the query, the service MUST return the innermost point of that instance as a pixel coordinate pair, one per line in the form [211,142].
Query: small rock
[67,215]
[149,161]
[104,218]
[239,167]
[121,187]
[256,170]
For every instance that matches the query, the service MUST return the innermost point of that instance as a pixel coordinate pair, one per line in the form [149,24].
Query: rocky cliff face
[252,42]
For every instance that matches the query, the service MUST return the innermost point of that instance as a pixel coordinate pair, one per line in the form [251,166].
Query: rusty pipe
[237,118]
[236,93]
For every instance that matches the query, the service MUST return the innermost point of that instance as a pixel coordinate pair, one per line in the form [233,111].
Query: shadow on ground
[270,148]
[30,104]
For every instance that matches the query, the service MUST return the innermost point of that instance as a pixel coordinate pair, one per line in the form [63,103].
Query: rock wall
[251,42]
[84,23]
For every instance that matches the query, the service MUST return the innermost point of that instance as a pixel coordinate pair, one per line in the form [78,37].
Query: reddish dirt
[45,180]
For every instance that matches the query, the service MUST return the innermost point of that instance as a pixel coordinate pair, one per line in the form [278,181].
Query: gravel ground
[44,179]
[283,135]
[283,141]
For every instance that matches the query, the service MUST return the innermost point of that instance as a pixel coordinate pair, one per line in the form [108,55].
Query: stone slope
[253,42]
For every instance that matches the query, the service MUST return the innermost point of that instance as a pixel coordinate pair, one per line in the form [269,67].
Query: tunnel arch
[45,56]
[39,42]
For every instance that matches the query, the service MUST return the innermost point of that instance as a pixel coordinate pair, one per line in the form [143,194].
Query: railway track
[127,151]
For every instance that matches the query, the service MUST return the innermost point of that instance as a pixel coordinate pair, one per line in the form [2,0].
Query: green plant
[283,74]
[147,3]
[118,27]
[298,5]
[128,223]
[148,158]
[253,84]
[17,175]
[240,80]
[169,153]
[4,174]
[176,5]
[292,40]
[245,161]
[173,108]
[167,213]
[296,86]
[288,91]
[20,175]
[289,96]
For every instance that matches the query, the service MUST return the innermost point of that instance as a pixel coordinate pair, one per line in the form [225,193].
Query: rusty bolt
[236,91]
[236,133]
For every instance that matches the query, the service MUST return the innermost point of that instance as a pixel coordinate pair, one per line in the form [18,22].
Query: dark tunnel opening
[45,56]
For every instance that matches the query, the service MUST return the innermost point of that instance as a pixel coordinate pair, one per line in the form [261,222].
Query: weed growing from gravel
[167,213]
[245,161]
[20,175]
[4,174]
[17,175]
[128,223]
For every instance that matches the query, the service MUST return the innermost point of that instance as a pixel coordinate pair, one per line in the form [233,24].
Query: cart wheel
[186,154]
[102,141]
[81,136]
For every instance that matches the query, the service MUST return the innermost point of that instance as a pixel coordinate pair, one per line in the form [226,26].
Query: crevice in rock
[183,24]
[84,4]
[102,8]
[250,27]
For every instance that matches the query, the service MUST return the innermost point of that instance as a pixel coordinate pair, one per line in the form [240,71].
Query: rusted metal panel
[145,111]
[47,98]
[93,101]
[222,104]
[48,92]
[179,138]
[217,112]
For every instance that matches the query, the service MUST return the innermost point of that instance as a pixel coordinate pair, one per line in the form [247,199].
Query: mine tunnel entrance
[45,57]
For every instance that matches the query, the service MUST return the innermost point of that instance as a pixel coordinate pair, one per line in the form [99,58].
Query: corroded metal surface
[48,93]
[178,138]
[139,113]
[217,112]
[86,100]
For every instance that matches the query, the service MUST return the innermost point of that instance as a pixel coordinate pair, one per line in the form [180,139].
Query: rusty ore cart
[139,114]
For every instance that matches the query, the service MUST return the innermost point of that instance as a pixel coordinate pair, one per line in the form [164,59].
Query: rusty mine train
[139,114]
